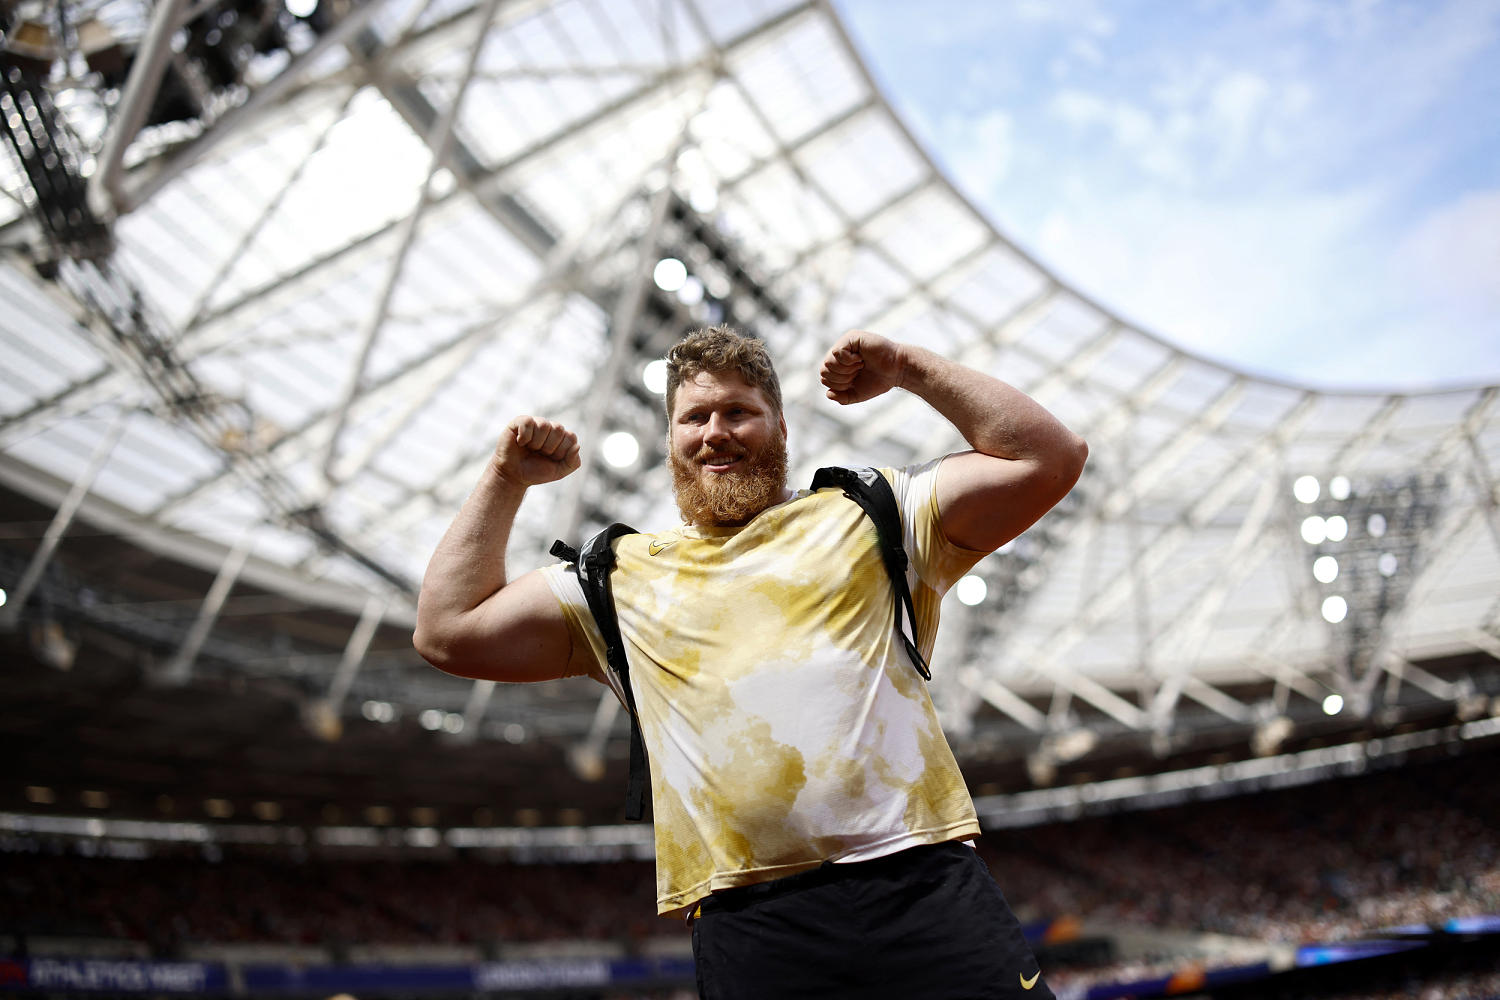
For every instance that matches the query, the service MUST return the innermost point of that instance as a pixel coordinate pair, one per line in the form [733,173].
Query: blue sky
[1303,188]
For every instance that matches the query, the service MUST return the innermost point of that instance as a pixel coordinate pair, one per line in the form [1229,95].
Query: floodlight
[1313,530]
[654,376]
[1325,569]
[971,590]
[1071,745]
[704,199]
[53,646]
[1387,564]
[691,292]
[1270,734]
[1333,705]
[1376,525]
[1336,528]
[621,449]
[321,719]
[1306,489]
[1338,487]
[1041,768]
[669,274]
[1335,608]
[587,762]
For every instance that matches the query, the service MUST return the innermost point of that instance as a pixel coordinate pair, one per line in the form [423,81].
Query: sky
[1305,189]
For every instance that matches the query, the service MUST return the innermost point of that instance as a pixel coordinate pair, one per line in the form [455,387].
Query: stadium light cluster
[1365,539]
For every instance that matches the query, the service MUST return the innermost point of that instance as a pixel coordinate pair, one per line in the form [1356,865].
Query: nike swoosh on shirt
[655,547]
[1027,984]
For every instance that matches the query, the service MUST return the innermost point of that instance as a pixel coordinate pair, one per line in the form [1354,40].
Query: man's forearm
[995,418]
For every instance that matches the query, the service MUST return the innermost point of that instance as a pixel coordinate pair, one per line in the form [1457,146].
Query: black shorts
[928,922]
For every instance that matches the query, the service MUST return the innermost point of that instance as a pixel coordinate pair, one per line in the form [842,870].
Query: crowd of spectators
[178,898]
[1332,861]
[1321,862]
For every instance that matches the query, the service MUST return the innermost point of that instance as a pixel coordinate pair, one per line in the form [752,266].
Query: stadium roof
[267,320]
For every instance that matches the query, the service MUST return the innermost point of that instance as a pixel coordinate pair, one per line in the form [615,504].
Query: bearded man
[811,822]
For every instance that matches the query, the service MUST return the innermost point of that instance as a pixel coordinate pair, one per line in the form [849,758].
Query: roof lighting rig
[81,81]
[65,72]
[1365,540]
[698,276]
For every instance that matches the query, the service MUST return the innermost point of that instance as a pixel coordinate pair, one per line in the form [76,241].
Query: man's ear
[781,419]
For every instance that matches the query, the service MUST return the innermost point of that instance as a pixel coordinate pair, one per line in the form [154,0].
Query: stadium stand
[1250,883]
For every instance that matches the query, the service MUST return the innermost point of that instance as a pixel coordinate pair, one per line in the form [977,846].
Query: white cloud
[1452,256]
[978,150]
[1240,176]
[1238,104]
[1131,126]
[1331,305]
[1221,278]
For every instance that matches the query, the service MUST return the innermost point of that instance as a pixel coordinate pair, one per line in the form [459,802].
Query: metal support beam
[1489,490]
[1212,698]
[1401,669]
[1004,699]
[421,376]
[127,199]
[1049,657]
[1178,639]
[587,755]
[439,140]
[354,653]
[478,703]
[253,232]
[490,181]
[1483,640]
[61,520]
[106,195]
[622,325]
[180,667]
[1164,458]
[1445,454]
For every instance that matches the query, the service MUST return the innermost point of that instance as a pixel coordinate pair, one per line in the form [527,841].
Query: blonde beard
[731,499]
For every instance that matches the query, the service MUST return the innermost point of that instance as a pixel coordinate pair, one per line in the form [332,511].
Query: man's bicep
[518,634]
[983,502]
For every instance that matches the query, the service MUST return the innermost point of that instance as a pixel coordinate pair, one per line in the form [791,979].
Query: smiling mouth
[721,463]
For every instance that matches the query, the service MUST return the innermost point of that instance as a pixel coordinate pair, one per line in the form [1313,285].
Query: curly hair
[718,349]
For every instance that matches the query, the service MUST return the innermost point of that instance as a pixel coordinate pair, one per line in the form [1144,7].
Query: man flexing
[810,818]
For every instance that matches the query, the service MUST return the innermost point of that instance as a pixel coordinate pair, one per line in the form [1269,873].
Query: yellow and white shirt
[783,722]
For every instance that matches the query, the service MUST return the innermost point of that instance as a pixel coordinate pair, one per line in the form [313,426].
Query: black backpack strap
[869,489]
[593,565]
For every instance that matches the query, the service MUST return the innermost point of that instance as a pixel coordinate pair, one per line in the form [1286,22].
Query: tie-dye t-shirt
[783,721]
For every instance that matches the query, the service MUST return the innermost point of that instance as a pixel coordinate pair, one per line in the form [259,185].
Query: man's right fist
[532,451]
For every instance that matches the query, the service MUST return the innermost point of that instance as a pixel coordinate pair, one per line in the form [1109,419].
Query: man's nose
[717,429]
